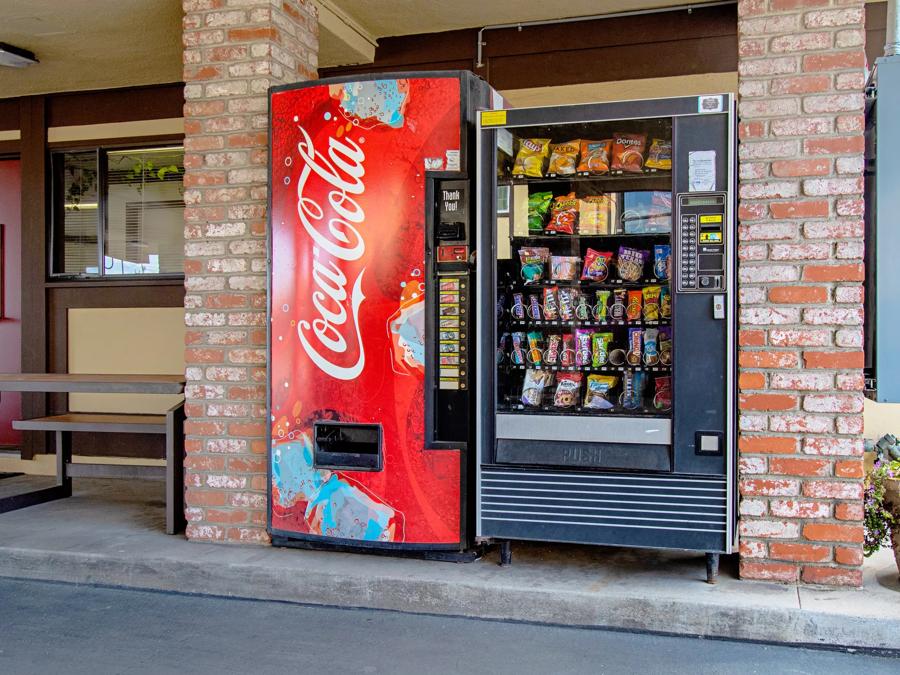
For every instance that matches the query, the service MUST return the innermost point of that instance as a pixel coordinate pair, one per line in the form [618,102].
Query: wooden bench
[171,425]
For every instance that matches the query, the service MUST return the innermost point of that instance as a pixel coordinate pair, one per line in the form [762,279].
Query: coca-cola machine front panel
[353,165]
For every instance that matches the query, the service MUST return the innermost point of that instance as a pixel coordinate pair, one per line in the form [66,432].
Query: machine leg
[712,568]
[505,553]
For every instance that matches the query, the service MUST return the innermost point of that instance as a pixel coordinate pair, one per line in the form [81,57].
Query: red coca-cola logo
[331,337]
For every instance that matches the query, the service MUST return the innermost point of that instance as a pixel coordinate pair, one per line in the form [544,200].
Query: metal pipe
[892,42]
[479,47]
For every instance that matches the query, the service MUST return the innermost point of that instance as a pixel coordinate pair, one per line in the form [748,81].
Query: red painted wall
[11,323]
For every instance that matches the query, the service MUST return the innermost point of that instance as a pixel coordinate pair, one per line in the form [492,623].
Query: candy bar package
[519,342]
[628,152]
[568,390]
[502,346]
[665,345]
[551,354]
[594,215]
[538,206]
[567,303]
[662,254]
[551,303]
[600,348]
[651,302]
[564,267]
[596,265]
[662,395]
[533,386]
[518,306]
[651,351]
[633,308]
[597,396]
[534,261]
[567,356]
[583,347]
[600,308]
[618,307]
[534,349]
[665,303]
[631,263]
[582,308]
[563,158]
[534,307]
[635,338]
[531,156]
[633,384]
[563,214]
[595,156]
[660,155]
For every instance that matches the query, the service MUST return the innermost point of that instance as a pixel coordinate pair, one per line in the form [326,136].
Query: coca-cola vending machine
[371,247]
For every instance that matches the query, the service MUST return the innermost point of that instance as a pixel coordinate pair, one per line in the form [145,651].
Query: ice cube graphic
[374,101]
[406,328]
[334,505]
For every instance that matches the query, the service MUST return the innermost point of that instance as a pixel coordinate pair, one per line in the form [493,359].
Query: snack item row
[624,152]
[651,303]
[628,261]
[564,390]
[586,348]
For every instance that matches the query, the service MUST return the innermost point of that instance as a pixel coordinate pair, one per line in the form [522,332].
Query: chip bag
[597,396]
[662,255]
[594,215]
[596,265]
[563,158]
[595,156]
[628,152]
[538,206]
[660,155]
[563,214]
[662,396]
[534,260]
[631,263]
[531,156]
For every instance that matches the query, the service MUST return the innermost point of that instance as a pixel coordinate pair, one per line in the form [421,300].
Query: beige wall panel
[656,87]
[11,135]
[881,419]
[89,132]
[126,340]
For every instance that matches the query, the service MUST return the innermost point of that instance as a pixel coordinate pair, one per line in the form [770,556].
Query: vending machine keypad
[700,234]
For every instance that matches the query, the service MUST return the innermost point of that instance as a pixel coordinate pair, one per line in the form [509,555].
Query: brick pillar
[801,72]
[234,50]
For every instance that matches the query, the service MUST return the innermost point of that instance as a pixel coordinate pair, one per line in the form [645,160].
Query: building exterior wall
[234,50]
[801,78]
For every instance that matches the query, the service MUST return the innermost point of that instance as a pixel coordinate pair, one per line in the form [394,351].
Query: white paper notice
[702,171]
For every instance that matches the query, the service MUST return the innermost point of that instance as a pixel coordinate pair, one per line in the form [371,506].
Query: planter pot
[892,501]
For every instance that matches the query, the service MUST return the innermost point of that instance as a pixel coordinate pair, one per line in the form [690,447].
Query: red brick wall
[233,51]
[801,74]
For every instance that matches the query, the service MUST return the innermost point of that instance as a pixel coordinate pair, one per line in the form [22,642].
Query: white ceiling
[98,44]
[91,44]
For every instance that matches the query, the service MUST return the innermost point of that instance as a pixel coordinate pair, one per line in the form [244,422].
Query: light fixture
[15,57]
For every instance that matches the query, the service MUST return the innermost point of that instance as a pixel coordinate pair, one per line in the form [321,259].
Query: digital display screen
[702,201]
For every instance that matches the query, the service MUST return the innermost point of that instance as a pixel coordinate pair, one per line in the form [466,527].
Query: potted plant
[882,499]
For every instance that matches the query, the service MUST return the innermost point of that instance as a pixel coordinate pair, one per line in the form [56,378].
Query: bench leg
[175,520]
[63,457]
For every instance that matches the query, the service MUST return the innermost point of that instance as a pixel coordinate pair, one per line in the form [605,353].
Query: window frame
[55,251]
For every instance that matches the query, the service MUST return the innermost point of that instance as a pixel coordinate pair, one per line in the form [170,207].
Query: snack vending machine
[370,389]
[606,325]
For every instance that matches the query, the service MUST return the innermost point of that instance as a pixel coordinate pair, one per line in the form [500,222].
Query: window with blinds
[119,212]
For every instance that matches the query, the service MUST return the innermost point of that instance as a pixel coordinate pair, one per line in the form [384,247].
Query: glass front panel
[584,305]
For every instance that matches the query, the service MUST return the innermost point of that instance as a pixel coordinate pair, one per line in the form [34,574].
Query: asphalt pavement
[50,627]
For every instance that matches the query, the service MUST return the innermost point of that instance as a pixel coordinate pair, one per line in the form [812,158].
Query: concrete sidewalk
[111,533]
